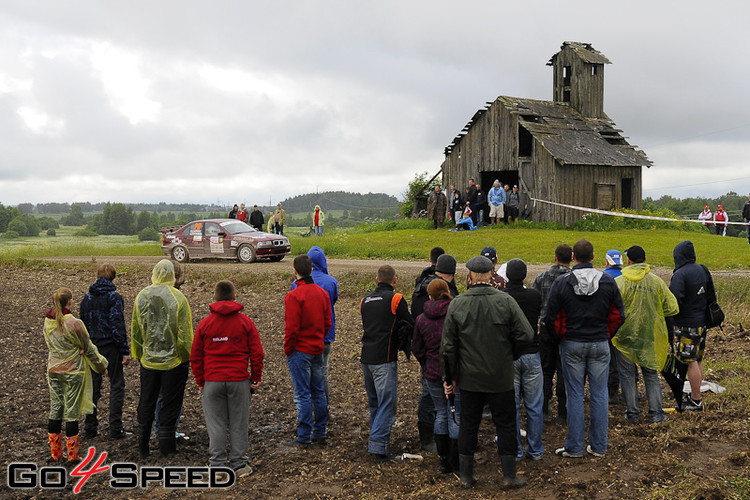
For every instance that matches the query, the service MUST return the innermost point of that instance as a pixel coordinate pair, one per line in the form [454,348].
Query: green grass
[535,246]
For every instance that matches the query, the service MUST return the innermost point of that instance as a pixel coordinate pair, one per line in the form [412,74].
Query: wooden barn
[566,150]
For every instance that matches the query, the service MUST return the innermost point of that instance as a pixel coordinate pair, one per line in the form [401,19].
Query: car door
[192,238]
[215,243]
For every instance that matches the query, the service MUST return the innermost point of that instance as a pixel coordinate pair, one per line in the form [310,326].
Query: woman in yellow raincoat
[71,358]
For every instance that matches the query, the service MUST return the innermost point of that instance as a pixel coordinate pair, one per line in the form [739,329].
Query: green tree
[7,214]
[115,219]
[75,216]
[144,220]
[419,188]
[25,208]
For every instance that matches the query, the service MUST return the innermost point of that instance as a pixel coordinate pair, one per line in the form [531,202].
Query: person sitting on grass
[465,222]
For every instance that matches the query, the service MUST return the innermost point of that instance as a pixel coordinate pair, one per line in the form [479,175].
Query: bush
[48,223]
[10,234]
[149,234]
[86,233]
[51,232]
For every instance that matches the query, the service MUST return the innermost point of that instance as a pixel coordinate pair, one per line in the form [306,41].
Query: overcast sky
[230,101]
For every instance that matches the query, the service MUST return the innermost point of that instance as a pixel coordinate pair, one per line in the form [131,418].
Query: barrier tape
[632,216]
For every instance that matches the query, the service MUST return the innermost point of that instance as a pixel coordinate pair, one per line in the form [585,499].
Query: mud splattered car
[222,239]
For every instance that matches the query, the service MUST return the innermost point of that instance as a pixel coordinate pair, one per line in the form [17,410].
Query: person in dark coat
[256,218]
[233,212]
[437,205]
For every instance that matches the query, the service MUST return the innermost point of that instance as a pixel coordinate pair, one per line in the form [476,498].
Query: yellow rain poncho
[69,372]
[162,326]
[643,337]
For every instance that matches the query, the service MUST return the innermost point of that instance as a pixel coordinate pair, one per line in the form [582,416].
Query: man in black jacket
[256,218]
[384,313]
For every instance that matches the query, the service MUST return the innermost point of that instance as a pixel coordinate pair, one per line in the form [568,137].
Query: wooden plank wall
[586,90]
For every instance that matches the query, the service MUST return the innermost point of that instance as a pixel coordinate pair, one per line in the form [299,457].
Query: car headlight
[265,244]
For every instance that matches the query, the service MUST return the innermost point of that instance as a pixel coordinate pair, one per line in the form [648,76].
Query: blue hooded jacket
[102,311]
[328,283]
[689,284]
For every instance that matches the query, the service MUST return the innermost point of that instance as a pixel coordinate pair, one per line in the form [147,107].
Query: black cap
[489,252]
[636,254]
[515,270]
[479,264]
[446,264]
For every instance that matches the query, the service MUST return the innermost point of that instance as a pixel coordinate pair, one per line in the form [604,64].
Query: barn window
[566,76]
[593,70]
[524,141]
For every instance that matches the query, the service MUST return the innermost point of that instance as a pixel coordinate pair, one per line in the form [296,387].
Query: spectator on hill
[226,342]
[506,188]
[256,218]
[496,199]
[514,203]
[233,212]
[279,218]
[466,222]
[103,313]
[706,216]
[318,217]
[471,197]
[242,213]
[720,219]
[457,206]
[437,205]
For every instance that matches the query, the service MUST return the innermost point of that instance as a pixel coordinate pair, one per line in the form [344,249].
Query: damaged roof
[573,139]
[585,51]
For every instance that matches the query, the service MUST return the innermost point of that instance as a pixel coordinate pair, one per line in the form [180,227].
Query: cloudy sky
[228,101]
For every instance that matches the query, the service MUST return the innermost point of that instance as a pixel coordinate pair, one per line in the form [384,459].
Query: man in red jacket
[223,343]
[307,318]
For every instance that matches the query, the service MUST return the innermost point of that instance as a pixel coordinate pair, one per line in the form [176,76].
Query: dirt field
[690,456]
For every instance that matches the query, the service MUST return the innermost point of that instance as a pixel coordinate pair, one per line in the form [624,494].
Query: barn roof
[573,139]
[585,51]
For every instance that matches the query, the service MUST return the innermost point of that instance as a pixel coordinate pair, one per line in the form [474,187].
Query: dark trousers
[116,390]
[503,408]
[426,408]
[171,383]
[549,352]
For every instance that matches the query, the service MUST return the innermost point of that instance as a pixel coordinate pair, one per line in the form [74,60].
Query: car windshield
[236,227]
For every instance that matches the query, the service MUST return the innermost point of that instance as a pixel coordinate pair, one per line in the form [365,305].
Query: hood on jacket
[226,307]
[636,272]
[102,287]
[586,280]
[684,253]
[318,259]
[163,273]
[435,309]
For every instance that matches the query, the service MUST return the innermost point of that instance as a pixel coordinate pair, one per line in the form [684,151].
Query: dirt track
[697,450]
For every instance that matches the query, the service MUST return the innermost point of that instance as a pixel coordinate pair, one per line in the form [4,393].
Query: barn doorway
[509,177]
[626,193]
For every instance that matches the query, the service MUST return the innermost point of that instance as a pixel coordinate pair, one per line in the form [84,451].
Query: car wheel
[245,254]
[276,258]
[180,254]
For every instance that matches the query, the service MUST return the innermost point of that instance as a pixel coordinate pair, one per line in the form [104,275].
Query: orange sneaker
[71,443]
[55,445]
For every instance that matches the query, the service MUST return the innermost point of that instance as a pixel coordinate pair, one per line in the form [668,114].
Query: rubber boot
[453,454]
[426,437]
[510,479]
[466,467]
[443,449]
[167,442]
[71,443]
[144,435]
[55,445]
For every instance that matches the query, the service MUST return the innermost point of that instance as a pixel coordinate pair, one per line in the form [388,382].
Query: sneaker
[293,443]
[243,471]
[562,452]
[659,418]
[382,459]
[320,441]
[590,451]
[121,434]
[692,405]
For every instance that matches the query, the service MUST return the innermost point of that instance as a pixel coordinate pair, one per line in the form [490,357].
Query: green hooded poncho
[162,327]
[643,337]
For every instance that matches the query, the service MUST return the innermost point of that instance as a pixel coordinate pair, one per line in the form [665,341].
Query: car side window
[212,229]
[193,229]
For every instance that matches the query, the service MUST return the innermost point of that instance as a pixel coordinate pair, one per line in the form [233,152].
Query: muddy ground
[690,456]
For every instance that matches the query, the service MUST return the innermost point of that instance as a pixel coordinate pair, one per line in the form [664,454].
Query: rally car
[222,239]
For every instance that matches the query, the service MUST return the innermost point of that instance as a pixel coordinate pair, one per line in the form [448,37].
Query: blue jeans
[529,382]
[628,381]
[381,384]
[444,423]
[306,371]
[318,230]
[426,408]
[582,360]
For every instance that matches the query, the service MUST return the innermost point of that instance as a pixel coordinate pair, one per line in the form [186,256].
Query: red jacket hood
[226,307]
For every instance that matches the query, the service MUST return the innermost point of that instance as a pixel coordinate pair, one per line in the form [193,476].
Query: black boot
[426,437]
[453,454]
[443,448]
[144,435]
[509,472]
[167,442]
[466,466]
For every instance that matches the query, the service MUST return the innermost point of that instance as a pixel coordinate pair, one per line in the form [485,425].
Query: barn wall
[586,89]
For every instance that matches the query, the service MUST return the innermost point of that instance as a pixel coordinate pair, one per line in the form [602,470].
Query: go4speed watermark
[26,475]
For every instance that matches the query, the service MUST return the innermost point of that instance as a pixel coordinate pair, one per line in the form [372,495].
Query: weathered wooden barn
[566,150]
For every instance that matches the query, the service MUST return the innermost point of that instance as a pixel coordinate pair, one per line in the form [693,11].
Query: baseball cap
[489,252]
[636,254]
[614,258]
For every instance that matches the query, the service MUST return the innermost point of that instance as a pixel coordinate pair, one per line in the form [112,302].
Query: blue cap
[614,258]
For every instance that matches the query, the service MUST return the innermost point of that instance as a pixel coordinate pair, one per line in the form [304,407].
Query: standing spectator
[706,216]
[256,218]
[693,286]
[586,308]
[307,319]
[549,346]
[437,205]
[514,202]
[746,216]
[242,214]
[279,218]
[506,188]
[428,332]
[457,206]
[382,312]
[614,263]
[225,341]
[496,280]
[451,201]
[71,358]
[271,228]
[480,359]
[444,268]
[643,339]
[161,339]
[426,276]
[496,199]
[233,212]
[318,217]
[614,269]
[720,219]
[481,204]
[328,283]
[471,197]
[528,380]
[103,313]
